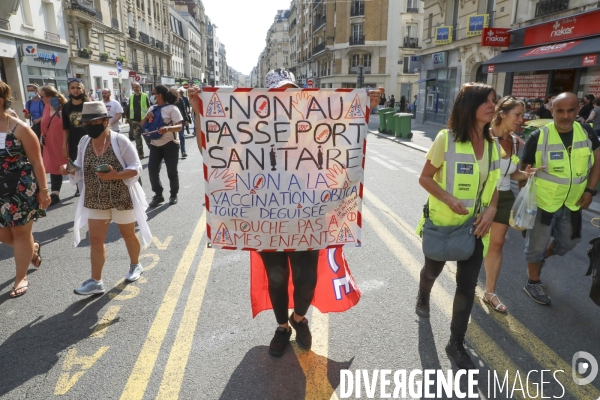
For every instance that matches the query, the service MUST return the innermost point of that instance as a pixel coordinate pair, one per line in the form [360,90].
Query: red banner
[336,290]
[589,60]
[495,37]
[550,49]
[564,29]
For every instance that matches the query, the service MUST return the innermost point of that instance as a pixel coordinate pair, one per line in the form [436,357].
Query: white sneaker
[135,270]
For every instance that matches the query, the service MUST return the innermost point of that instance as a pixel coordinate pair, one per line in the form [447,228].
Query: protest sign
[283,168]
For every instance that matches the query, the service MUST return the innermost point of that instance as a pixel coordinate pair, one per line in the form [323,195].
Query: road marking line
[66,380]
[142,371]
[395,162]
[382,156]
[380,161]
[410,170]
[178,357]
[485,346]
[373,151]
[106,320]
[161,245]
[314,362]
[544,355]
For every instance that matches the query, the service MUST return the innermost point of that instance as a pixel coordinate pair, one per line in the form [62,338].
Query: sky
[242,27]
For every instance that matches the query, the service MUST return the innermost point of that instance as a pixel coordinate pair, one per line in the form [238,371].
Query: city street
[185,329]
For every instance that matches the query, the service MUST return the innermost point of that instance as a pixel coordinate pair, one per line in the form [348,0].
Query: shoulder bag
[452,243]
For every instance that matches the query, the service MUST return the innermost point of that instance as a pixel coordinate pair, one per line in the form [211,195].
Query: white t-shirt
[171,116]
[113,107]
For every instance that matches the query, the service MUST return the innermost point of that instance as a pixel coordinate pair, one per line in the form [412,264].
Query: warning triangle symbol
[222,236]
[345,235]
[215,107]
[355,110]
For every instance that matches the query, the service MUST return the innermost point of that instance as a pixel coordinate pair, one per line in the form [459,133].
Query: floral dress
[22,207]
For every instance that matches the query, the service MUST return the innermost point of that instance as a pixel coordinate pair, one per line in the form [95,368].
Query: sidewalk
[423,136]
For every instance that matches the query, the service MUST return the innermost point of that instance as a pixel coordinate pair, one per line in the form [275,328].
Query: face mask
[94,131]
[31,95]
[78,97]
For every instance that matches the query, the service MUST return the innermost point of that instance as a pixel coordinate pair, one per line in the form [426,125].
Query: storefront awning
[573,54]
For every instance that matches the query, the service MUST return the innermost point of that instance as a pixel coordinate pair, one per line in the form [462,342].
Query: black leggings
[170,153]
[304,276]
[467,273]
[55,182]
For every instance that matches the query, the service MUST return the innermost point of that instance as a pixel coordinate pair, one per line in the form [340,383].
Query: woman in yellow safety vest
[457,171]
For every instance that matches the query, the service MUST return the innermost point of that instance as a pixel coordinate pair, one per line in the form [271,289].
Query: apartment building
[148,41]
[277,45]
[180,47]
[212,53]
[33,46]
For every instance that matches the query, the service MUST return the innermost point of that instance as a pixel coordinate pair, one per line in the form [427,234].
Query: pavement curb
[401,141]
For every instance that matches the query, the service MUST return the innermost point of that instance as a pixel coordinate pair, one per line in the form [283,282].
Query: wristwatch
[591,191]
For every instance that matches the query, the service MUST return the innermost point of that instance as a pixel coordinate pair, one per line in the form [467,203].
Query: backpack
[594,270]
[152,125]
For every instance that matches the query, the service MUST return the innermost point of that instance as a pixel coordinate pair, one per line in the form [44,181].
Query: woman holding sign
[460,174]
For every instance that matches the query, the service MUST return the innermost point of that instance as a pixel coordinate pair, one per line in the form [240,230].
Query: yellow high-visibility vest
[143,105]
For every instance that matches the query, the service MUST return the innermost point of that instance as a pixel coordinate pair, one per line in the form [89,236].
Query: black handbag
[452,243]
[9,184]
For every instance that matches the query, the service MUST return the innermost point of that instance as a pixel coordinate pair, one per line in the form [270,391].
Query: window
[101,43]
[367,60]
[26,12]
[49,17]
[82,41]
[429,26]
[357,30]
[355,60]
[405,65]
[411,31]
[118,48]
[132,56]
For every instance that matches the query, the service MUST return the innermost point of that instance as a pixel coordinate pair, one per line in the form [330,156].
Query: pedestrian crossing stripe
[345,235]
[355,110]
[222,236]
[215,107]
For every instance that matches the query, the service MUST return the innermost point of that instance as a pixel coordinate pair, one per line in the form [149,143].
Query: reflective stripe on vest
[565,177]
[143,105]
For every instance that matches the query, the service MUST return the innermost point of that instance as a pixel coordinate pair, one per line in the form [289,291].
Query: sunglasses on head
[74,80]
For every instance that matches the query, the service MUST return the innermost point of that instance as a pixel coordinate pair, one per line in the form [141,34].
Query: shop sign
[589,60]
[476,24]
[131,74]
[49,57]
[414,63]
[550,49]
[443,34]
[564,29]
[167,81]
[112,73]
[495,37]
[491,69]
[440,60]
[30,50]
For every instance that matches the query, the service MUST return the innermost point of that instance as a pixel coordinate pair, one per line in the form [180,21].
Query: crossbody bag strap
[478,202]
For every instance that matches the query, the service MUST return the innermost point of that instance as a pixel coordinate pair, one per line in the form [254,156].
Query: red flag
[336,290]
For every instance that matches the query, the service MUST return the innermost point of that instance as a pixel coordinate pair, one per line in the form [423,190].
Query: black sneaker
[422,308]
[457,352]
[173,200]
[303,336]
[54,199]
[280,341]
[77,193]
[156,200]
[537,293]
[184,155]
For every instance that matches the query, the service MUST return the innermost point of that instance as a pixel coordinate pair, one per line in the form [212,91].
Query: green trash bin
[403,123]
[527,131]
[381,111]
[389,122]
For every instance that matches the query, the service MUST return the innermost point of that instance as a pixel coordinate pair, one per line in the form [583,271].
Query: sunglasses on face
[74,80]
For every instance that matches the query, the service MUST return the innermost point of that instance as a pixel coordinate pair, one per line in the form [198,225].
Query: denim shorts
[560,228]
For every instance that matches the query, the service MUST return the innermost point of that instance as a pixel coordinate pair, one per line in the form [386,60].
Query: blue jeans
[182,138]
[558,227]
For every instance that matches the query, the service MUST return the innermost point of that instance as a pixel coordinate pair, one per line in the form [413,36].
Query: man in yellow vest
[134,113]
[569,151]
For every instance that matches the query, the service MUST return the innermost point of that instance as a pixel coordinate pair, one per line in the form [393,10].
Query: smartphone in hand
[71,167]
[103,168]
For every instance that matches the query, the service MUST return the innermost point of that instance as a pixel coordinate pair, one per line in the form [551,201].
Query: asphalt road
[185,330]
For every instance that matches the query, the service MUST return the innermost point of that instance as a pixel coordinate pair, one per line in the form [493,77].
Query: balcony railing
[98,15]
[547,7]
[411,42]
[144,38]
[318,48]
[167,48]
[162,72]
[160,45]
[356,40]
[354,70]
[152,41]
[412,9]
[134,66]
[154,71]
[4,24]
[357,9]
[74,5]
[53,37]
[83,54]
[114,23]
[132,33]
[319,22]
[146,68]
[103,57]
[325,72]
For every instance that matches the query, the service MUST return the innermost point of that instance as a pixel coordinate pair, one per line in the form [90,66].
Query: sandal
[18,292]
[38,256]
[489,301]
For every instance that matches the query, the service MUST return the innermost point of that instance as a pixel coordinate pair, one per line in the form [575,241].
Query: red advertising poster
[530,85]
[577,26]
[495,37]
[595,84]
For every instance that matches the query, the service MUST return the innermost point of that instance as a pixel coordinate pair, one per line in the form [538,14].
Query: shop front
[552,57]
[107,77]
[43,64]
[437,88]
